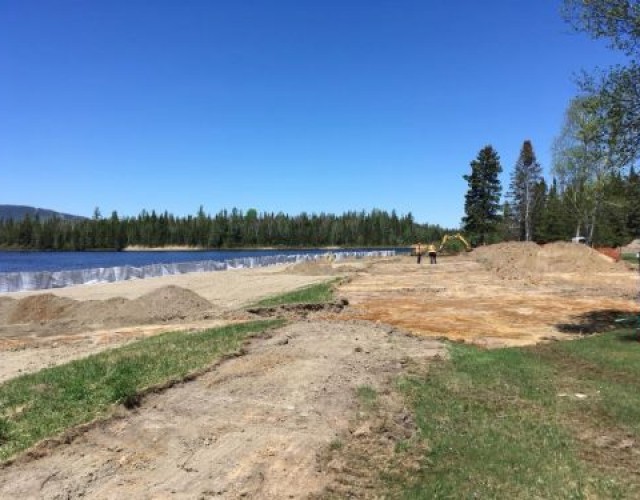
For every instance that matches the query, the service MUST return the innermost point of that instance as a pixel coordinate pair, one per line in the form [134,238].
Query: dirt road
[252,428]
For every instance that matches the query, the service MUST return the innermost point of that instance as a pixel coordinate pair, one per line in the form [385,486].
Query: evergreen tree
[633,199]
[538,209]
[526,175]
[556,225]
[482,201]
[612,221]
[509,228]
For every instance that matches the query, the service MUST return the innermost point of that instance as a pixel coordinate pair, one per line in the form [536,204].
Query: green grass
[630,257]
[313,294]
[336,444]
[42,405]
[367,396]
[525,423]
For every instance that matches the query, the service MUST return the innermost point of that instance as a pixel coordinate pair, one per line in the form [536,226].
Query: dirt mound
[527,260]
[6,306]
[167,303]
[45,307]
[326,267]
[161,305]
[313,268]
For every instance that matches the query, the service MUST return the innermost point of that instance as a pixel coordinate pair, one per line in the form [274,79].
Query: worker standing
[419,252]
[431,250]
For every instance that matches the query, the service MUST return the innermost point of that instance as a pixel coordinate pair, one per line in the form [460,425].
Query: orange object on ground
[614,253]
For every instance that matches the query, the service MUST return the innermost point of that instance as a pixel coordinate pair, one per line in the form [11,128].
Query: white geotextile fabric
[40,280]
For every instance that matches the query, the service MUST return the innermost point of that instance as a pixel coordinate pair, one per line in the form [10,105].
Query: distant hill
[19,212]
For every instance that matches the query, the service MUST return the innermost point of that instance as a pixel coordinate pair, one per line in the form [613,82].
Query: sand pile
[44,307]
[526,260]
[6,306]
[321,267]
[164,304]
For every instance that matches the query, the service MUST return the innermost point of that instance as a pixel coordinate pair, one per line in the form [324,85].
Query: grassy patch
[631,257]
[336,444]
[552,421]
[367,396]
[313,294]
[41,405]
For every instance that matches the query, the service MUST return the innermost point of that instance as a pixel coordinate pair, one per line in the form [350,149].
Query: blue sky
[279,105]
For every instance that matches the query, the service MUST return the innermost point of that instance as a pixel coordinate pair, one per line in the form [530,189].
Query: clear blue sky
[278,105]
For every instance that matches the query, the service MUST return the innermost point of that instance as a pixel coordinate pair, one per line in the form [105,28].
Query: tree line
[604,209]
[226,229]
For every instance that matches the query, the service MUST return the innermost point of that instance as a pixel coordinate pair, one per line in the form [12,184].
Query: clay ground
[461,299]
[257,425]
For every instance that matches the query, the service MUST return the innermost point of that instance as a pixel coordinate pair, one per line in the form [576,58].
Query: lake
[20,271]
[16,262]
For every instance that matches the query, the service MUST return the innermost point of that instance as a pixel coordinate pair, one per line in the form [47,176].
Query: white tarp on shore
[41,280]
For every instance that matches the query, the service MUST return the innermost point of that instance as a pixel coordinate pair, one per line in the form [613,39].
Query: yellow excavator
[423,249]
[457,236]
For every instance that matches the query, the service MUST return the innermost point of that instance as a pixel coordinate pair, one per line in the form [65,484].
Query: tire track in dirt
[252,428]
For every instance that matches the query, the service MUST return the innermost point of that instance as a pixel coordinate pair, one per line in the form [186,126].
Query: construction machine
[423,248]
[457,236]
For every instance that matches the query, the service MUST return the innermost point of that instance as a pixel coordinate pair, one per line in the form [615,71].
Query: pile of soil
[161,305]
[323,267]
[6,306]
[44,307]
[527,260]
[166,304]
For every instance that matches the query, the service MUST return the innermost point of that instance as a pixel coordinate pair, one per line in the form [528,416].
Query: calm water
[60,261]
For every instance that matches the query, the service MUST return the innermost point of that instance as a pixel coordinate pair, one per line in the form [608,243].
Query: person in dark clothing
[431,250]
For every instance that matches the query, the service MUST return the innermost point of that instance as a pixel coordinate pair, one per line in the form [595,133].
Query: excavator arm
[456,236]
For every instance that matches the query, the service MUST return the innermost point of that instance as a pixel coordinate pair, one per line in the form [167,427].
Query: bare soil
[501,295]
[41,329]
[262,425]
[252,428]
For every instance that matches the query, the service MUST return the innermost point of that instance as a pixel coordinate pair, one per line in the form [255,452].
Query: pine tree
[509,229]
[633,197]
[612,219]
[482,201]
[538,209]
[526,175]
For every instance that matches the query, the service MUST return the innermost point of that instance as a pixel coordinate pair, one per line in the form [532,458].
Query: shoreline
[16,282]
[185,248]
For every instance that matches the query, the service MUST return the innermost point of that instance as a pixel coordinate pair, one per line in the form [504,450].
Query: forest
[545,211]
[227,229]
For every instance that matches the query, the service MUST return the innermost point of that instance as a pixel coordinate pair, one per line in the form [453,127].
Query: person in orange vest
[431,250]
